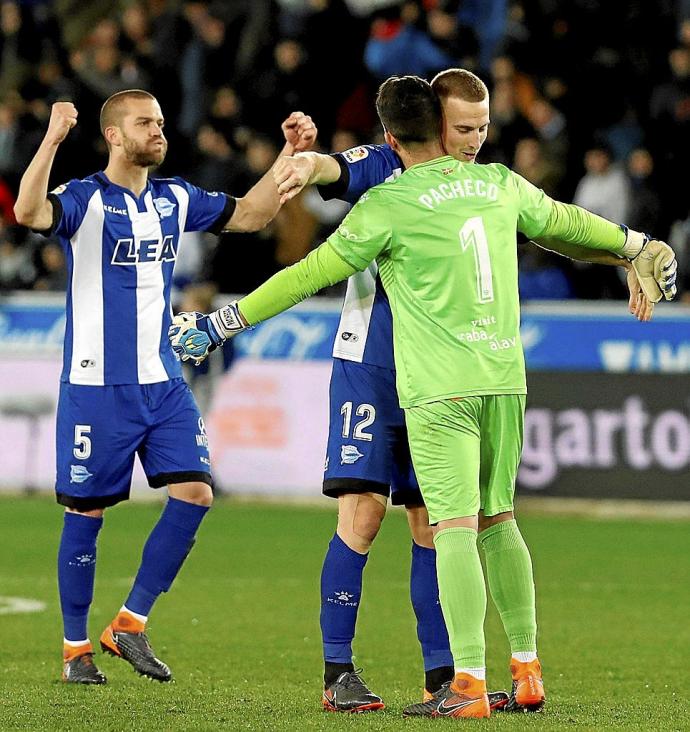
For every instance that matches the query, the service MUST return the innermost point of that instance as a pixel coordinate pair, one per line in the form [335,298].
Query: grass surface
[240,627]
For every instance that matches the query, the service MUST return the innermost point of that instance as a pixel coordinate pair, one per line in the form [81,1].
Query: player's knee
[486,521]
[367,522]
[198,493]
[418,520]
[359,519]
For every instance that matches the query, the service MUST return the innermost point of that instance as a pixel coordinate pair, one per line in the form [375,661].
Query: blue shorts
[367,439]
[100,428]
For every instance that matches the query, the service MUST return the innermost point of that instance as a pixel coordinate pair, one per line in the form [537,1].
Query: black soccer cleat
[136,649]
[349,694]
[82,670]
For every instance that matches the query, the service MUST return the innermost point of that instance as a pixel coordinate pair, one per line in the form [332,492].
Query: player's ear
[112,135]
[390,140]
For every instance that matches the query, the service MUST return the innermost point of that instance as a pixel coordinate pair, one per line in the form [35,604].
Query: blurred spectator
[488,19]
[50,270]
[531,164]
[218,168]
[550,126]
[450,35]
[226,116]
[19,49]
[241,262]
[507,126]
[523,87]
[396,46]
[604,189]
[9,140]
[17,271]
[645,213]
[284,87]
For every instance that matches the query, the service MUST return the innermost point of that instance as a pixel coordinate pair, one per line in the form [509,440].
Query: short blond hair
[459,83]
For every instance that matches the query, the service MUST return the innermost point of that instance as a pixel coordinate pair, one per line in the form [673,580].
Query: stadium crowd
[585,104]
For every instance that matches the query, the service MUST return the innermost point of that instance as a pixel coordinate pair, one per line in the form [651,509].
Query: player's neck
[131,177]
[416,154]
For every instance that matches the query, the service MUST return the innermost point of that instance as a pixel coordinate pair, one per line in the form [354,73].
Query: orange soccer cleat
[528,687]
[465,697]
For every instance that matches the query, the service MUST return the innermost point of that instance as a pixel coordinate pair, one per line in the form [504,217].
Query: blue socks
[164,553]
[76,572]
[341,591]
[431,627]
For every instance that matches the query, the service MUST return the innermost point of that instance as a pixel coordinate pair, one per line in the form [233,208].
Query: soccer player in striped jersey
[121,390]
[460,371]
[368,457]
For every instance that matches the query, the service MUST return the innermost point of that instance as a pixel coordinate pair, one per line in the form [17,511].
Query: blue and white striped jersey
[120,253]
[365,331]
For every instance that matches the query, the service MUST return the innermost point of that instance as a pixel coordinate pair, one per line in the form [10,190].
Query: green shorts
[466,453]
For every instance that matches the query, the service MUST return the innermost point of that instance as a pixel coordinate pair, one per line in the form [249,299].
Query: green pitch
[240,627]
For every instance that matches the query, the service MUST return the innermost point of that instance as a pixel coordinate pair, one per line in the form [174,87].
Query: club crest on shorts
[349,454]
[78,474]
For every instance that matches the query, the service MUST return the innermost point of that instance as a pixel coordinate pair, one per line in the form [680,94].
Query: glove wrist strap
[227,321]
[634,243]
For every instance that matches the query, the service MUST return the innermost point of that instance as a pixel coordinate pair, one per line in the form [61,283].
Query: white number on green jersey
[473,235]
[363,410]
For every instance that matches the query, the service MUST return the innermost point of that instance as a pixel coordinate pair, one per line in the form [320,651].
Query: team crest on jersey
[60,189]
[131,252]
[349,454]
[164,207]
[355,154]
[78,474]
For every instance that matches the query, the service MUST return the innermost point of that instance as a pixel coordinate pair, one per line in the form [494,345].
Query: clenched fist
[63,116]
[299,131]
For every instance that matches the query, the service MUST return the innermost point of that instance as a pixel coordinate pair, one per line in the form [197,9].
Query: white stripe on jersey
[353,329]
[87,297]
[182,205]
[150,293]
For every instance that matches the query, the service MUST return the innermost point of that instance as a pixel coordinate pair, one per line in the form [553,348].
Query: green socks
[511,583]
[462,593]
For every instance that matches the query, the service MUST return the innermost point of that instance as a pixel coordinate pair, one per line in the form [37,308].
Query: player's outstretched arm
[262,202]
[32,208]
[638,305]
[194,335]
[293,174]
[654,261]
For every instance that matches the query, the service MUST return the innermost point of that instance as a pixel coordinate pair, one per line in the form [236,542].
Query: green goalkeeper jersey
[443,235]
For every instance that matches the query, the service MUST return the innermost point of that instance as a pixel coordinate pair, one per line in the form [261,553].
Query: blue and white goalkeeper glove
[654,263]
[194,335]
